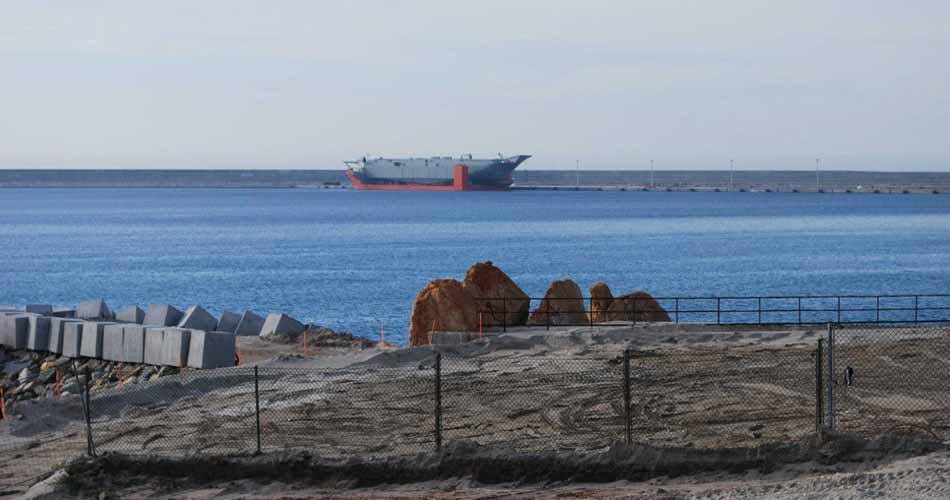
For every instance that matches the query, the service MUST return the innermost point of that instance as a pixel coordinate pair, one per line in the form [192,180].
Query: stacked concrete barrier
[132,314]
[57,327]
[72,339]
[14,330]
[112,342]
[92,339]
[93,309]
[211,349]
[154,337]
[281,324]
[38,336]
[175,345]
[229,322]
[196,318]
[250,324]
[162,315]
[133,344]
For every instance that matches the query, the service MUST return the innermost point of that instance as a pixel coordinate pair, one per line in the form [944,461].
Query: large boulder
[500,299]
[563,304]
[636,306]
[443,305]
[600,300]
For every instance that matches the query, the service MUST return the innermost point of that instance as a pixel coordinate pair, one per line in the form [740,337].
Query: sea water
[354,260]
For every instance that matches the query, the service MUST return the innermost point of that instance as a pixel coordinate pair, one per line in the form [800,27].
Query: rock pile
[488,297]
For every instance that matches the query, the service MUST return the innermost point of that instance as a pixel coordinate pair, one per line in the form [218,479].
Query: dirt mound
[563,304]
[600,300]
[444,304]
[636,306]
[500,298]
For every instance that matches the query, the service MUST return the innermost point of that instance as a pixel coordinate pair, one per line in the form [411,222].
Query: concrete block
[38,336]
[72,339]
[57,327]
[228,322]
[14,330]
[197,318]
[211,349]
[175,345]
[154,337]
[281,324]
[64,313]
[162,315]
[93,309]
[133,344]
[112,342]
[92,332]
[132,314]
[44,309]
[250,324]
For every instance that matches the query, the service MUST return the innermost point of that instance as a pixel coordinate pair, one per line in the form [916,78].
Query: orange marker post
[118,370]
[238,353]
[3,404]
[305,343]
[59,383]
[382,335]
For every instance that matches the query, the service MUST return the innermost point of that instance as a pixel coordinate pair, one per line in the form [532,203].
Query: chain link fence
[871,381]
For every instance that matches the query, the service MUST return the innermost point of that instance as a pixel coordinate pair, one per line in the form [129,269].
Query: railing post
[718,304]
[87,407]
[438,401]
[627,422]
[547,315]
[799,310]
[677,310]
[819,393]
[504,315]
[759,301]
[831,377]
[257,408]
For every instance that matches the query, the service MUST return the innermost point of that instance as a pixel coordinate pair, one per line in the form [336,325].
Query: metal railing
[733,310]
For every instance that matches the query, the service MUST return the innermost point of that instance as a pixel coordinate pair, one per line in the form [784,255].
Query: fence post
[87,409]
[819,392]
[257,408]
[438,402]
[547,315]
[626,397]
[504,315]
[831,377]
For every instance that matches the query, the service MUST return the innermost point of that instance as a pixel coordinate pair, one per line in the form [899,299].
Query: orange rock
[500,299]
[563,304]
[445,305]
[636,306]
[600,300]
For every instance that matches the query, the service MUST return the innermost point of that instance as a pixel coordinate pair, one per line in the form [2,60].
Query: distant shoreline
[784,181]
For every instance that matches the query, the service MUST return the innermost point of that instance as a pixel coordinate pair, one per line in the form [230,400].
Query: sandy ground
[531,390]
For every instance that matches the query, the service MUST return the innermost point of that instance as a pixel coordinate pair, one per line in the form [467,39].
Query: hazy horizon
[305,85]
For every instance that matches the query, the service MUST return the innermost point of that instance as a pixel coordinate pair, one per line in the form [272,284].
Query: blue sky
[237,84]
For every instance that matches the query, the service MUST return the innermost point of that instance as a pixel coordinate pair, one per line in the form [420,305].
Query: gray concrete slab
[112,342]
[14,330]
[228,322]
[281,324]
[133,314]
[72,339]
[154,337]
[197,318]
[64,313]
[211,349]
[162,315]
[57,326]
[133,344]
[92,339]
[93,309]
[175,345]
[38,336]
[250,324]
[44,309]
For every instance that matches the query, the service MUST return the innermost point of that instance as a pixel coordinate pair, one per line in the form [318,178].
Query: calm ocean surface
[349,259]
